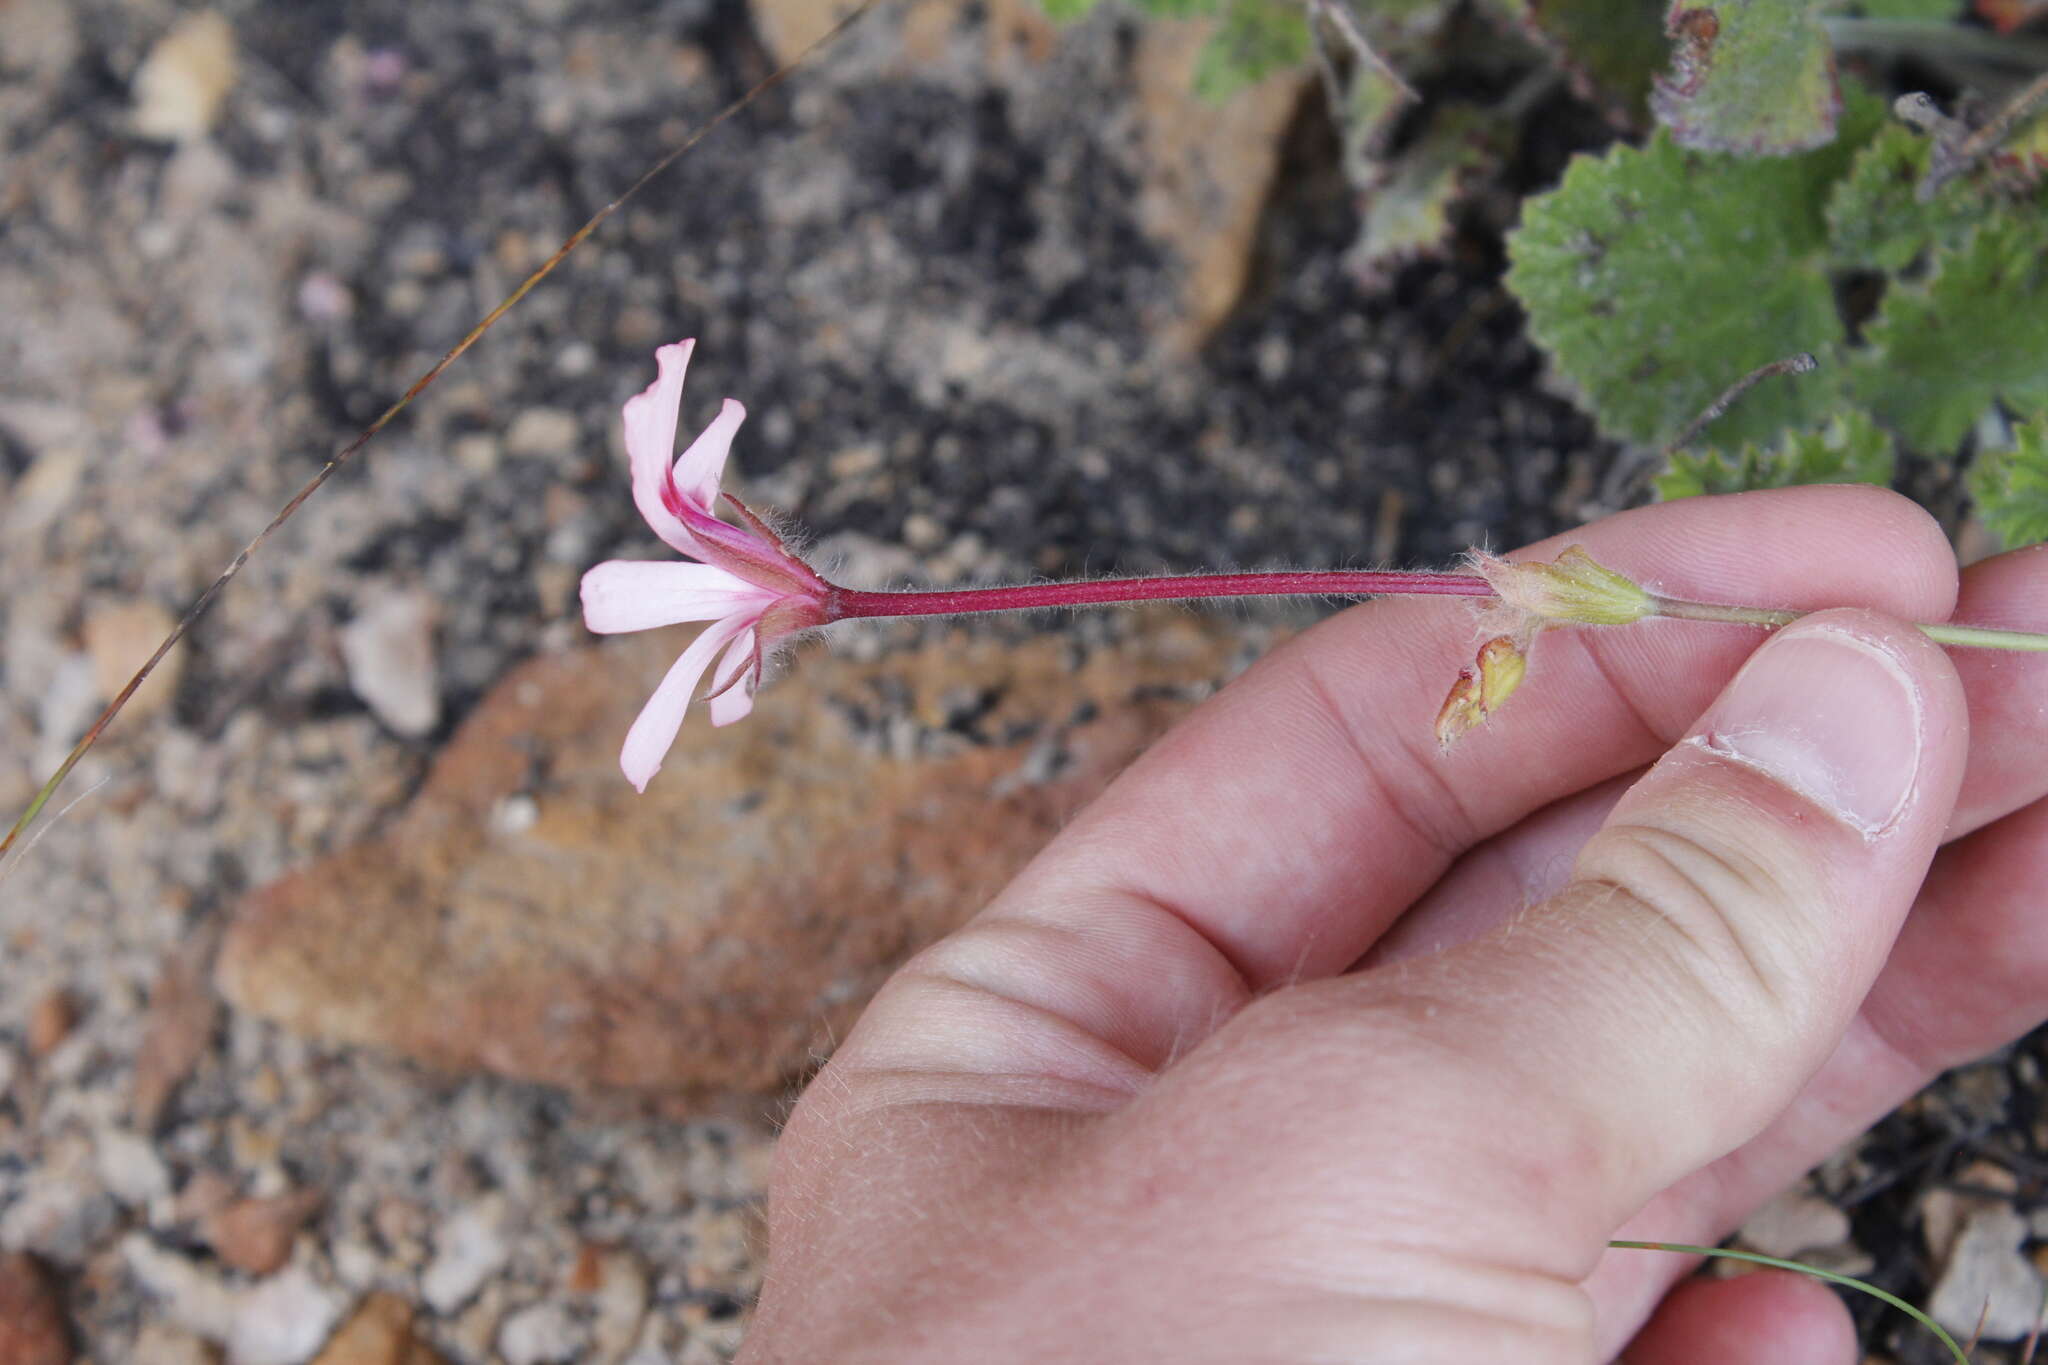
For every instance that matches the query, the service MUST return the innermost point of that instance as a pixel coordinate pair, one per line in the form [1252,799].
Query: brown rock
[50,1021]
[175,1035]
[380,1333]
[255,1235]
[530,914]
[1209,167]
[32,1326]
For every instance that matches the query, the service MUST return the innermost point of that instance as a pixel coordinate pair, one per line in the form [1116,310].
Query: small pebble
[543,432]
[1987,1276]
[255,1235]
[389,652]
[130,1168]
[180,85]
[540,1334]
[468,1249]
[50,1021]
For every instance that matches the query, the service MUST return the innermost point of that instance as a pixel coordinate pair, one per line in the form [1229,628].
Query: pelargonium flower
[746,583]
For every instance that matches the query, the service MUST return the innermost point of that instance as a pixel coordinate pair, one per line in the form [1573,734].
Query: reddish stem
[845,602]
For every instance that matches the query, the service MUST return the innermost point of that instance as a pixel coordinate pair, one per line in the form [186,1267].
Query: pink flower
[751,589]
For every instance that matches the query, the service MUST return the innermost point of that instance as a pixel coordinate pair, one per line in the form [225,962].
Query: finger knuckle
[1717,913]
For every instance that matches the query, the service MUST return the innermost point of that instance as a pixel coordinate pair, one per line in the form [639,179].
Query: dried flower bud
[1574,589]
[1482,689]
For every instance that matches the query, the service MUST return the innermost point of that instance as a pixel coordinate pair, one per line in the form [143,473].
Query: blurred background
[354,1010]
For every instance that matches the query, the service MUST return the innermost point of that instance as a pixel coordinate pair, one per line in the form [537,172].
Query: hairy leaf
[1255,39]
[2011,486]
[1751,76]
[1975,329]
[1875,219]
[1409,213]
[1849,449]
[1611,47]
[1405,37]
[1655,277]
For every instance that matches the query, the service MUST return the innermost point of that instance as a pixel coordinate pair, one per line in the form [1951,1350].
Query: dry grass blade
[2034,1337]
[349,451]
[1801,363]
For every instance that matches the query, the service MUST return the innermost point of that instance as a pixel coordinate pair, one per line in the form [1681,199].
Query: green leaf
[1974,330]
[1409,213]
[1752,76]
[1875,219]
[1255,39]
[1849,449]
[1066,11]
[2011,486]
[1655,277]
[1610,47]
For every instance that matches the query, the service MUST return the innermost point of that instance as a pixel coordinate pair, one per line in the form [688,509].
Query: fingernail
[1831,715]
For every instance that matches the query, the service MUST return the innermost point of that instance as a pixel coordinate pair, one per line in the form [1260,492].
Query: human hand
[1306,1042]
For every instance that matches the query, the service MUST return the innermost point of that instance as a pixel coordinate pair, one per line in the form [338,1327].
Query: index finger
[1277,832]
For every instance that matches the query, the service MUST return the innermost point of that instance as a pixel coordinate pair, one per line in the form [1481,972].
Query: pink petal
[651,442]
[654,730]
[731,700]
[622,595]
[696,473]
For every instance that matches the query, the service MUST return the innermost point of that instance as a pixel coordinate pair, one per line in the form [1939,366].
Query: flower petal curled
[622,595]
[654,730]
[651,443]
[697,471]
[738,675]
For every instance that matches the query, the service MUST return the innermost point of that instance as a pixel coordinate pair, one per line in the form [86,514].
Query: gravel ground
[930,282]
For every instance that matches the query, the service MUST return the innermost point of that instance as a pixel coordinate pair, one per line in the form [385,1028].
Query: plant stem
[1921,38]
[853,602]
[1095,592]
[1971,637]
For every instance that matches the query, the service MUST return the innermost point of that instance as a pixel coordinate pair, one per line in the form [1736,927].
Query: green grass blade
[1832,1277]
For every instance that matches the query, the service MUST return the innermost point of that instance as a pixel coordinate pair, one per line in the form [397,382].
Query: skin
[1307,1043]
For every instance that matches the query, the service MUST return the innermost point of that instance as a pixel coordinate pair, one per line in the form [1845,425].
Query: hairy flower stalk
[755,593]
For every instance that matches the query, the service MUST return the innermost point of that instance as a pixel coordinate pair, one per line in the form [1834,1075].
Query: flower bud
[1482,689]
[1574,589]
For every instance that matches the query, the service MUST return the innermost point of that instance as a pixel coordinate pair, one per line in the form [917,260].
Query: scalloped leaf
[1875,218]
[1254,39]
[1975,330]
[1407,37]
[1654,276]
[1408,215]
[2011,486]
[1610,47]
[1849,449]
[1750,76]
